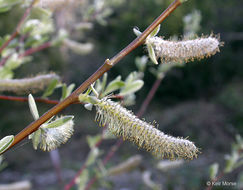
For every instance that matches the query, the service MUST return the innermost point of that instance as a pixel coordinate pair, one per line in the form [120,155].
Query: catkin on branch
[122,122]
[185,50]
[52,138]
[27,85]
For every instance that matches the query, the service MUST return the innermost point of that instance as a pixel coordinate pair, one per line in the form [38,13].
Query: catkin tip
[122,123]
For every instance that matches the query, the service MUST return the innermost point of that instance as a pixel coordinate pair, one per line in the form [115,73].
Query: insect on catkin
[185,50]
[122,122]
[27,85]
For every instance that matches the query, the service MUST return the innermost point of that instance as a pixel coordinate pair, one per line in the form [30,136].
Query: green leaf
[40,13]
[83,179]
[93,155]
[104,81]
[29,26]
[5,73]
[230,162]
[136,31]
[58,122]
[151,53]
[213,170]
[62,35]
[33,107]
[70,89]
[4,9]
[50,89]
[98,86]
[2,164]
[155,31]
[35,138]
[5,143]
[64,91]
[131,87]
[131,77]
[6,5]
[114,85]
[141,63]
[93,140]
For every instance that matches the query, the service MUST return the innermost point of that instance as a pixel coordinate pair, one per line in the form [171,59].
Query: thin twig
[5,59]
[108,64]
[25,99]
[35,49]
[73,180]
[21,22]
[149,97]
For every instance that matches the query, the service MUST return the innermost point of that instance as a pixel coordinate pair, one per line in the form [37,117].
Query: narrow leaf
[213,170]
[50,88]
[104,81]
[131,87]
[155,31]
[33,107]
[136,31]
[5,143]
[70,89]
[36,138]
[114,85]
[64,91]
[59,122]
[151,53]
[93,140]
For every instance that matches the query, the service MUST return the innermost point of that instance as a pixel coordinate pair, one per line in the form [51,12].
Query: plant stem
[108,64]
[16,31]
[24,99]
[149,97]
[35,49]
[120,141]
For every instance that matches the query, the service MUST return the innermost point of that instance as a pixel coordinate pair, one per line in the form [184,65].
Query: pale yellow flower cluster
[122,122]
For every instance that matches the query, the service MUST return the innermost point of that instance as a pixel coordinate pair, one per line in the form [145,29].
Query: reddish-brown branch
[149,97]
[35,49]
[42,100]
[24,99]
[104,68]
[4,60]
[16,31]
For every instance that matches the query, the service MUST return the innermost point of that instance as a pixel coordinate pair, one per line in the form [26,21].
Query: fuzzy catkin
[185,50]
[27,85]
[52,138]
[122,122]
[56,4]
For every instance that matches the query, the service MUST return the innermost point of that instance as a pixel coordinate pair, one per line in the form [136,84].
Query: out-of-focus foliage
[198,83]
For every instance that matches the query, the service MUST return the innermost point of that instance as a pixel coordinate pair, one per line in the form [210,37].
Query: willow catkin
[51,138]
[122,122]
[185,50]
[27,85]
[57,4]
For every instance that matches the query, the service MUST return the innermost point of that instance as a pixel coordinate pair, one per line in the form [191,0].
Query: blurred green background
[203,100]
